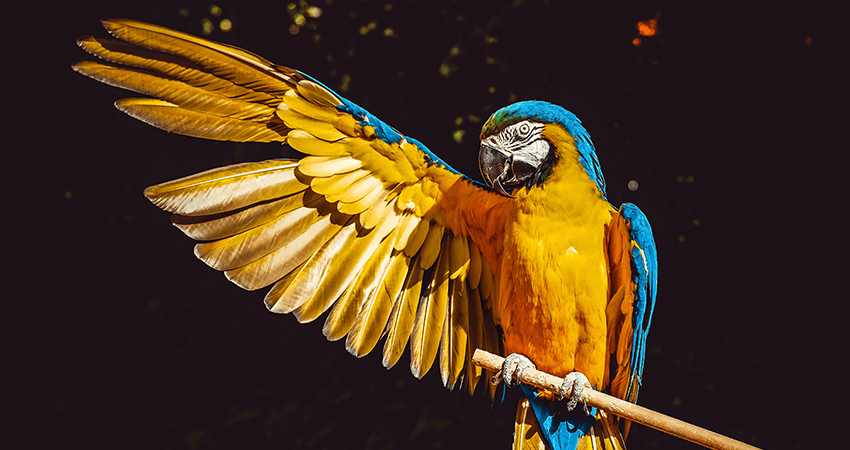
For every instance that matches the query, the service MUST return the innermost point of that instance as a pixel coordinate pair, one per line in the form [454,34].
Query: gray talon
[512,369]
[574,384]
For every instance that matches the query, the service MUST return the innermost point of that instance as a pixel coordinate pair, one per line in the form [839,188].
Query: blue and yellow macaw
[377,231]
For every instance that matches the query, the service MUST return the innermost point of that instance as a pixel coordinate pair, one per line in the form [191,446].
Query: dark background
[128,341]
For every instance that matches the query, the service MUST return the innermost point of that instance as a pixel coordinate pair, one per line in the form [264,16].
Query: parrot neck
[568,194]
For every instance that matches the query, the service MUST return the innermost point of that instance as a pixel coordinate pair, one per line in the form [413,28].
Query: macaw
[391,242]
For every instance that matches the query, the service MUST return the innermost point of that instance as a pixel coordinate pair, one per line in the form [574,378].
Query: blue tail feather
[561,429]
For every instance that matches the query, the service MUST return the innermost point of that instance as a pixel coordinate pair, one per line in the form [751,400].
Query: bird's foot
[573,385]
[512,369]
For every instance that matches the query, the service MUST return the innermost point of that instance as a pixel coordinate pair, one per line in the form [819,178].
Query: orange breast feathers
[554,275]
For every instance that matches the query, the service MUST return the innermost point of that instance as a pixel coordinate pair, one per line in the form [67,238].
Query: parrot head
[519,147]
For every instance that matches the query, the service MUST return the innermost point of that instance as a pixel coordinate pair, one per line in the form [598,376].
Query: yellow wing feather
[339,265]
[323,130]
[268,269]
[219,226]
[417,237]
[177,92]
[403,314]
[427,328]
[227,189]
[243,248]
[335,185]
[363,289]
[458,257]
[174,119]
[325,166]
[455,334]
[431,248]
[357,227]
[225,61]
[475,337]
[374,314]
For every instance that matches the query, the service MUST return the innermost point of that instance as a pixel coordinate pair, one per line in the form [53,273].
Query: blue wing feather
[645,277]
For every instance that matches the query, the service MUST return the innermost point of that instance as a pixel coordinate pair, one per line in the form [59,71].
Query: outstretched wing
[371,225]
[634,273]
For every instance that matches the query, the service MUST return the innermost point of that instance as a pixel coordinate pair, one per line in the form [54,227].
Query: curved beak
[495,166]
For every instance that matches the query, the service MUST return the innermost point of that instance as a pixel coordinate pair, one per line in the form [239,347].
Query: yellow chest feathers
[554,274]
[557,236]
[555,253]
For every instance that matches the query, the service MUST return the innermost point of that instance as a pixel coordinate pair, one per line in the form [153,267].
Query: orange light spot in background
[647,27]
[636,42]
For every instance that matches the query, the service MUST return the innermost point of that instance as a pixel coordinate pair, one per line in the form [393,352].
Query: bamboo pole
[622,408]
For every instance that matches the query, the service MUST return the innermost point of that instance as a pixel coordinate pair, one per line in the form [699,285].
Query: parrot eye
[524,129]
[522,132]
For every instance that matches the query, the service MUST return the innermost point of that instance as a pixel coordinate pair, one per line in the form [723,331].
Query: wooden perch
[619,407]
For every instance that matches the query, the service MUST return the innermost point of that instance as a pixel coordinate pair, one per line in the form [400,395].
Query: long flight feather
[339,264]
[170,117]
[365,286]
[227,188]
[403,314]
[222,225]
[492,341]
[373,316]
[172,67]
[290,293]
[253,244]
[455,333]
[176,92]
[475,337]
[237,65]
[427,328]
[274,295]
[273,266]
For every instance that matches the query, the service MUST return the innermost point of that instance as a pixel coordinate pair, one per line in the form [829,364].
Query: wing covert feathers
[356,228]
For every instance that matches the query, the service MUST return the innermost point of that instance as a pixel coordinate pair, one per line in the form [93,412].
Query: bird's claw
[512,369]
[573,385]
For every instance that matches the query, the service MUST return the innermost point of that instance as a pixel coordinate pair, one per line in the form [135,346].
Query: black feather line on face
[545,170]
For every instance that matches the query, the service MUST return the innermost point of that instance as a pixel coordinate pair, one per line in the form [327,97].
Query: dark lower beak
[495,167]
